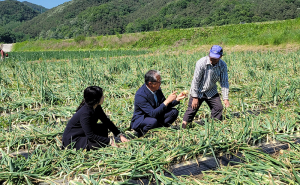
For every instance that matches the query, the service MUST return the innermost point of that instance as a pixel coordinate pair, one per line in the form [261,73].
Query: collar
[209,63]
[89,107]
[150,90]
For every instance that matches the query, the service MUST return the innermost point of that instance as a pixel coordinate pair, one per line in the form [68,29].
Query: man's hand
[184,124]
[195,103]
[227,104]
[181,96]
[123,138]
[170,98]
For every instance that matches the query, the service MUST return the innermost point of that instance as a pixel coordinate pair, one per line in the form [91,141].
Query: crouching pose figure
[209,70]
[151,108]
[83,131]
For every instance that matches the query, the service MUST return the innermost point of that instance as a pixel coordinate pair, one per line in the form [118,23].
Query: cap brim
[214,55]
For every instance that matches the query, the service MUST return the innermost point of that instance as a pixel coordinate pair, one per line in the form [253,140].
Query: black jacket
[82,128]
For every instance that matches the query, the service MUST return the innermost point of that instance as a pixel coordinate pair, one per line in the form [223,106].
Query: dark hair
[92,96]
[150,76]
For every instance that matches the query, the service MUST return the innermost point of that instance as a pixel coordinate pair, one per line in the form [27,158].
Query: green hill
[12,14]
[37,8]
[101,17]
[255,34]
[15,11]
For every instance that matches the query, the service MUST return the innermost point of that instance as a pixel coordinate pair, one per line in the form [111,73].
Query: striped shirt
[206,76]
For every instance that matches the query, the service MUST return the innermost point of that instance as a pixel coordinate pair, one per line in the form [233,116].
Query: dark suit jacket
[145,106]
[83,128]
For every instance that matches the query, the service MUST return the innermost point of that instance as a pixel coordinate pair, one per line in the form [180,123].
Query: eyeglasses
[157,82]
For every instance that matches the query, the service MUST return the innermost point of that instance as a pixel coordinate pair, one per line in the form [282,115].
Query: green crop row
[256,80]
[147,157]
[58,55]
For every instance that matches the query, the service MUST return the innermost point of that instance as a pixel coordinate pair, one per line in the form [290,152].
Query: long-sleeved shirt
[206,76]
[83,124]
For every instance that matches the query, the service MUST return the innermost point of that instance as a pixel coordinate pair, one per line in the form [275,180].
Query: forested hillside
[11,10]
[101,17]
[12,14]
[37,8]
[265,34]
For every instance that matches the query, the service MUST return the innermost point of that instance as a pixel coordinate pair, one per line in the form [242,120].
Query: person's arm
[147,108]
[111,126]
[105,120]
[174,103]
[85,121]
[224,85]
[198,74]
[171,104]
[2,54]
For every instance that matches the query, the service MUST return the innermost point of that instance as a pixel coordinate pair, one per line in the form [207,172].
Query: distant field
[57,55]
[40,92]
[259,34]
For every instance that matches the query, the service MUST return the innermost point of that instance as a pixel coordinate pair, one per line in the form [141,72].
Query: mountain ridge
[101,17]
[108,17]
[36,7]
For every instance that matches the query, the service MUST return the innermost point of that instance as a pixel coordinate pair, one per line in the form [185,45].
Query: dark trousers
[214,104]
[165,121]
[100,130]
[85,143]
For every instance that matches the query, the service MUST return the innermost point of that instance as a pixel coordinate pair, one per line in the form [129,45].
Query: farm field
[39,93]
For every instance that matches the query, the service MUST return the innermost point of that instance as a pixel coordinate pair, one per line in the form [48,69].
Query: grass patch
[268,33]
[58,55]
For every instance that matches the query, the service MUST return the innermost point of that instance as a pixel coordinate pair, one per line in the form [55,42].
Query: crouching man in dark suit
[151,108]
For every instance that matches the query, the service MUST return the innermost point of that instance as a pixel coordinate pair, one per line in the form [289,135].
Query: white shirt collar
[150,90]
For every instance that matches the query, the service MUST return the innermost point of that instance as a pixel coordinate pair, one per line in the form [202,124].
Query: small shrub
[119,35]
[277,40]
[99,37]
[80,38]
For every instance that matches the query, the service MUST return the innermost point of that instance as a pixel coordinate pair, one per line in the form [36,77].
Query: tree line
[106,17]
[12,14]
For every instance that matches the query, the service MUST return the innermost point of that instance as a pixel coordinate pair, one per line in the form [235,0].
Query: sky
[47,3]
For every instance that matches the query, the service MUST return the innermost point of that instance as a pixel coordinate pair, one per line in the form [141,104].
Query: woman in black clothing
[83,131]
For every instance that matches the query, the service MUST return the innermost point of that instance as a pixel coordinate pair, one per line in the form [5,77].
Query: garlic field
[40,92]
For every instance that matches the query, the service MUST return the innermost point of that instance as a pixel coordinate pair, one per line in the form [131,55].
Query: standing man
[151,108]
[2,54]
[208,71]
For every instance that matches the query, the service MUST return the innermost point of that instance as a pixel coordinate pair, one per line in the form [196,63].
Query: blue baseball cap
[216,51]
